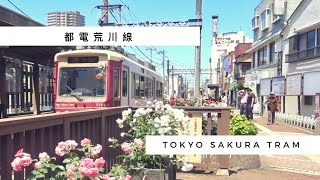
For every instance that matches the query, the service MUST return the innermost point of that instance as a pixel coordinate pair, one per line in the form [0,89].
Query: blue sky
[233,16]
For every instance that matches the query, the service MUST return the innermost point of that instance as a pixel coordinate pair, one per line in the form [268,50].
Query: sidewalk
[279,127]
[275,167]
[309,164]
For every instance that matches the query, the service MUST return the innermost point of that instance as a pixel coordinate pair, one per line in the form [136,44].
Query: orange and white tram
[92,78]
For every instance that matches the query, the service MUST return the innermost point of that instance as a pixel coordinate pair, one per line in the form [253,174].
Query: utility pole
[168,69]
[163,52]
[210,81]
[198,52]
[105,12]
[151,49]
[172,76]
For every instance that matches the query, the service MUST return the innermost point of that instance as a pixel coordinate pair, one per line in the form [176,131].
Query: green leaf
[66,161]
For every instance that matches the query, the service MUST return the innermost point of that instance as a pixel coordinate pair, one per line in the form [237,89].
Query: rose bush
[163,120]
[79,162]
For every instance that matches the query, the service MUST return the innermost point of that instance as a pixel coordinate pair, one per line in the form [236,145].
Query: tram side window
[157,90]
[142,84]
[146,82]
[116,82]
[161,89]
[137,85]
[124,83]
[152,88]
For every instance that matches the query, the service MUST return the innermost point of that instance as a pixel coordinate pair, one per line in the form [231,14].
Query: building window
[253,59]
[318,37]
[237,41]
[265,51]
[311,39]
[272,52]
[264,20]
[308,100]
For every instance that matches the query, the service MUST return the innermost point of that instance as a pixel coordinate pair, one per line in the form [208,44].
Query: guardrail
[296,120]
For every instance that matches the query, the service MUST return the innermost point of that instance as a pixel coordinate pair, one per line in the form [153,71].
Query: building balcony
[303,55]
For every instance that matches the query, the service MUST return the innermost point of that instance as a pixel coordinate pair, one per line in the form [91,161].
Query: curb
[287,169]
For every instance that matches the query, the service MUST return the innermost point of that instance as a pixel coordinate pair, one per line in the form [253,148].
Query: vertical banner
[195,130]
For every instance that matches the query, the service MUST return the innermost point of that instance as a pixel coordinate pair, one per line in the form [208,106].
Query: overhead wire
[18,9]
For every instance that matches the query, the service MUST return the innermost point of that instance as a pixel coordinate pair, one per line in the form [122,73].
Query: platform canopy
[35,54]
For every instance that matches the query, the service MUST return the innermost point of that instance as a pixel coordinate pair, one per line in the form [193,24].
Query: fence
[297,120]
[41,133]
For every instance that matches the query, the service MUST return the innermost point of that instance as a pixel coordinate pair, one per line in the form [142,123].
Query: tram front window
[85,81]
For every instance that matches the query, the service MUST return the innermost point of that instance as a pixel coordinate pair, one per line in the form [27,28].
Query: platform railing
[42,133]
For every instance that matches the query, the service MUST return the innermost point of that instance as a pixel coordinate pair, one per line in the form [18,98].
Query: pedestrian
[224,99]
[251,99]
[243,101]
[273,107]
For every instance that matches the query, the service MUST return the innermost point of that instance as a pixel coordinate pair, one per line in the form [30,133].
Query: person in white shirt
[224,98]
[243,103]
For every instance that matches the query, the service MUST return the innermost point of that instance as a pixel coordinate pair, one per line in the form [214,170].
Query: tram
[94,78]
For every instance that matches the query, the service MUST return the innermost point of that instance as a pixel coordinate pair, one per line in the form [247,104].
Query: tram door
[114,82]
[125,87]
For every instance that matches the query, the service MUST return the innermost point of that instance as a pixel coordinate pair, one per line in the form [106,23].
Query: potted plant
[163,120]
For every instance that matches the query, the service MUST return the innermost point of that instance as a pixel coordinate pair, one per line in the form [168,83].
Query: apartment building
[224,43]
[270,17]
[301,42]
[69,18]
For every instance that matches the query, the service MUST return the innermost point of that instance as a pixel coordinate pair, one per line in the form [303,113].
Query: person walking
[273,107]
[243,101]
[250,103]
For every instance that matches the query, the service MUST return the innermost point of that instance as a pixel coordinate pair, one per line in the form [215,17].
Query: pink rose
[87,163]
[138,143]
[85,142]
[44,156]
[89,172]
[59,151]
[70,174]
[97,149]
[125,147]
[37,165]
[16,164]
[126,178]
[71,145]
[25,161]
[62,145]
[19,153]
[106,177]
[99,162]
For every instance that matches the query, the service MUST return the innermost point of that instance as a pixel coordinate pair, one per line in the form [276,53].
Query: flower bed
[163,121]
[79,162]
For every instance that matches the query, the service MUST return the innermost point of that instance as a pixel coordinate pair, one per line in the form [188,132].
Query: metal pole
[168,68]
[172,83]
[210,71]
[198,53]
[105,11]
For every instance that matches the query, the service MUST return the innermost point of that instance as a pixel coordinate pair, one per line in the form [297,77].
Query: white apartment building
[69,18]
[224,43]
[301,42]
[270,17]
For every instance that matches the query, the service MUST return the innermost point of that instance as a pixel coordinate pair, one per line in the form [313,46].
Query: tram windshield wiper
[72,91]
